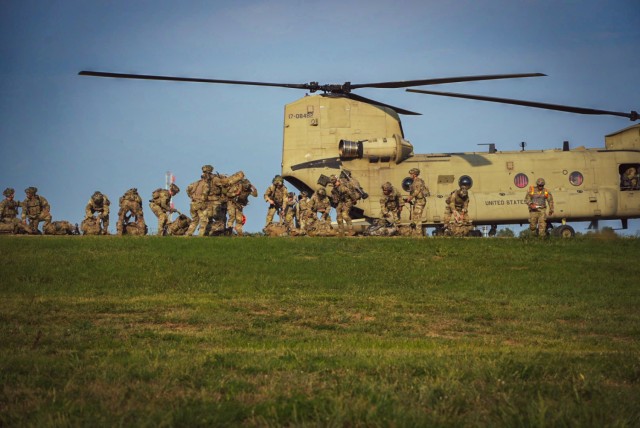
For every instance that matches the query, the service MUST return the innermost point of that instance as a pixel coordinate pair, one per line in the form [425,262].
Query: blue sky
[70,135]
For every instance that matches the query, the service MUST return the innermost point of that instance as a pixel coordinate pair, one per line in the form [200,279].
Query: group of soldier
[218,201]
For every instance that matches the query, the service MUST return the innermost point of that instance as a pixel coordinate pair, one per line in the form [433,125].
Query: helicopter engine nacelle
[383,149]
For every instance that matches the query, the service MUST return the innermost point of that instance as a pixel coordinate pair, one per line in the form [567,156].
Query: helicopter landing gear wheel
[564,231]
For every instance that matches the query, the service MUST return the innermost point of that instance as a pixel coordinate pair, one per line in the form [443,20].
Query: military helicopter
[338,132]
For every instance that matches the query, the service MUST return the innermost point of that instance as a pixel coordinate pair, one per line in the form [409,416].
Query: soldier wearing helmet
[344,196]
[537,199]
[390,206]
[131,207]
[418,192]
[304,208]
[238,198]
[276,197]
[320,203]
[198,192]
[160,204]
[9,222]
[456,212]
[36,209]
[98,203]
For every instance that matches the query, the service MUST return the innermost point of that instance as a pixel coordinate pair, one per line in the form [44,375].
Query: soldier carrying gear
[218,199]
[160,204]
[131,206]
[290,211]
[198,192]
[238,195]
[537,199]
[320,203]
[456,216]
[276,196]
[418,192]
[36,209]
[207,169]
[390,206]
[304,208]
[9,222]
[343,197]
[98,203]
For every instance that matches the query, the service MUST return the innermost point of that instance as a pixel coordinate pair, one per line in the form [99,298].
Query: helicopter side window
[521,180]
[629,179]
[576,178]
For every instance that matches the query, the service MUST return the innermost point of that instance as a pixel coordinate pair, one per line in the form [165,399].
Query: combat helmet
[31,190]
[540,182]
[8,192]
[174,189]
[413,171]
[386,187]
[277,180]
[321,191]
[97,197]
[207,169]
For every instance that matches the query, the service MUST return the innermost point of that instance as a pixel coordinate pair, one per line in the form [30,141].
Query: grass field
[107,331]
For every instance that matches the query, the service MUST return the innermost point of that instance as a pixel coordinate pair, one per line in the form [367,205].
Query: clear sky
[70,135]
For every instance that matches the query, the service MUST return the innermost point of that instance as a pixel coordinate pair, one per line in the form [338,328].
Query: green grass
[104,331]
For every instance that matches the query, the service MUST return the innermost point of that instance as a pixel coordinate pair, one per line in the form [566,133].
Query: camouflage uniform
[35,208]
[343,197]
[537,199]
[456,215]
[314,226]
[131,206]
[160,204]
[198,192]
[418,192]
[218,199]
[238,195]
[179,226]
[99,203]
[320,203]
[276,196]
[304,208]
[390,205]
[61,227]
[291,211]
[9,214]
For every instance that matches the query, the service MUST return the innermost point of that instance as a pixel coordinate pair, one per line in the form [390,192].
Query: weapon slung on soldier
[347,176]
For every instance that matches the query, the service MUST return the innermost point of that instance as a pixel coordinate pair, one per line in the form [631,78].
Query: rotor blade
[633,115]
[407,83]
[197,80]
[374,102]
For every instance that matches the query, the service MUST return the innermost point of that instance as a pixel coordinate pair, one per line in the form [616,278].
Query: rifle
[346,174]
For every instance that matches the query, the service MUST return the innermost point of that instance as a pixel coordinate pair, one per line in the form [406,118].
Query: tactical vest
[538,198]
[457,200]
[33,206]
[9,209]
[277,194]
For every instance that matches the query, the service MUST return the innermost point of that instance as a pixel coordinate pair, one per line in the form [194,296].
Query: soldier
[179,226]
[61,227]
[9,221]
[537,199]
[198,192]
[218,199]
[629,180]
[304,208]
[343,197]
[275,195]
[238,196]
[314,226]
[390,206]
[456,213]
[98,203]
[291,211]
[320,203]
[35,208]
[418,192]
[160,204]
[131,206]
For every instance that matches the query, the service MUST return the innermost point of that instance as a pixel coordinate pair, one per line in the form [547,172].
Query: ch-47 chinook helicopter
[338,132]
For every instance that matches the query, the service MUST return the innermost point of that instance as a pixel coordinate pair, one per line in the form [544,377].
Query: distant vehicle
[338,132]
